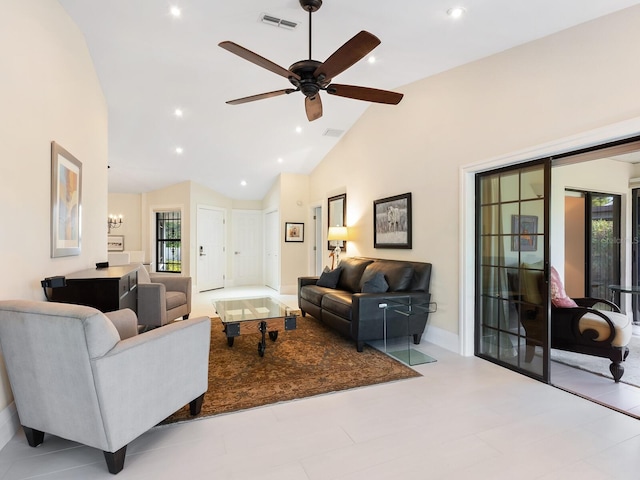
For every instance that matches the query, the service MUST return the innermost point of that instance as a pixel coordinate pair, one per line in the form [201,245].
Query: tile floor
[465,418]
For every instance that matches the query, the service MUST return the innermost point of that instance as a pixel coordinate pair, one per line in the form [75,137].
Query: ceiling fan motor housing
[308,84]
[311,5]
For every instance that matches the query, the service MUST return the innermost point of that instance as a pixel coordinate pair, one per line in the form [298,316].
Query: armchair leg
[359,346]
[617,370]
[34,437]
[196,405]
[617,357]
[115,460]
[185,317]
[416,338]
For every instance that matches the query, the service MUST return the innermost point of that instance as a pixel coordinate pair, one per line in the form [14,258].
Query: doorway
[210,233]
[592,244]
[247,241]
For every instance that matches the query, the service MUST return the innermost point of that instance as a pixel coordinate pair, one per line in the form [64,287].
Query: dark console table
[106,289]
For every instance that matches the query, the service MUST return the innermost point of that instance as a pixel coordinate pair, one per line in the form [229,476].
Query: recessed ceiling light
[179,150]
[178,112]
[298,129]
[243,183]
[280,160]
[456,12]
[371,59]
[176,12]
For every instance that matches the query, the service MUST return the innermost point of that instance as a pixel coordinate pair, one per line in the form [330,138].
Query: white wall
[574,81]
[49,92]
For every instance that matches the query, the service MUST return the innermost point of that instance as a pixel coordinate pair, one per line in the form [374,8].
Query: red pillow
[559,297]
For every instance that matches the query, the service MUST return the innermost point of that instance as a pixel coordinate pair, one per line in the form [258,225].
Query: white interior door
[247,235]
[271,244]
[211,250]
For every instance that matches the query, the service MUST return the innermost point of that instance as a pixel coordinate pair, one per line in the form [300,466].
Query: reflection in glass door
[512,269]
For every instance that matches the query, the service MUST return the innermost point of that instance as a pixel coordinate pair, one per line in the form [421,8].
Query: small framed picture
[293,232]
[115,243]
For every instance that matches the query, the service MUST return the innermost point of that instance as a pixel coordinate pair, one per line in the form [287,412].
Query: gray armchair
[75,372]
[162,298]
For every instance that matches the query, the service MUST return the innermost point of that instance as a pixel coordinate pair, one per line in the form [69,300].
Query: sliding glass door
[512,249]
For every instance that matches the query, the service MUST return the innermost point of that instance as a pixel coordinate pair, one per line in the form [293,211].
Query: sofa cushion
[329,278]
[398,275]
[352,269]
[377,284]
[314,293]
[339,303]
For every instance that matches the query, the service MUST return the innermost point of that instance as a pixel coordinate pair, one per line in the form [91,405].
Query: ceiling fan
[311,76]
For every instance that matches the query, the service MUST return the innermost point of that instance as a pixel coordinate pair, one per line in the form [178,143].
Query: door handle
[236,253]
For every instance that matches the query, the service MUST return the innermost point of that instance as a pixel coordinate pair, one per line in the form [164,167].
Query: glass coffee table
[262,315]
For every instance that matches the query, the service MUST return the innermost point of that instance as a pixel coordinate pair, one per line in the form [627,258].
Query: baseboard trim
[9,424]
[442,338]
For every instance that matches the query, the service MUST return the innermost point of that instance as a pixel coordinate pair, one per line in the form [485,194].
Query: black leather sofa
[356,314]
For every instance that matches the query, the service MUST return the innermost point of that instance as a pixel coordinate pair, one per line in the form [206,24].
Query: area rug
[600,366]
[307,361]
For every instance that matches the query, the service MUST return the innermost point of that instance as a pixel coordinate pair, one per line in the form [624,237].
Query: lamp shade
[338,233]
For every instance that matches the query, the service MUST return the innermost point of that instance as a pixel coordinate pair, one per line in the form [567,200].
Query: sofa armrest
[125,321]
[302,281]
[152,306]
[163,369]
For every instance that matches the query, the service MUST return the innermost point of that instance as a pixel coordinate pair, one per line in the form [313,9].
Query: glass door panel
[512,275]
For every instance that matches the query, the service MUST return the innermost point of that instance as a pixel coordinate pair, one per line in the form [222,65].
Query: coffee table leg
[273,335]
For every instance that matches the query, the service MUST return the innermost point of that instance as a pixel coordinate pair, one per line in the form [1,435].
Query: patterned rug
[310,360]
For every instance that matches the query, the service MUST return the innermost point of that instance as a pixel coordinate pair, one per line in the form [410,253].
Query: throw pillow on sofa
[329,278]
[377,284]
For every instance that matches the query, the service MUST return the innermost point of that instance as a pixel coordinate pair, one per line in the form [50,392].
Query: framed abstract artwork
[525,230]
[66,202]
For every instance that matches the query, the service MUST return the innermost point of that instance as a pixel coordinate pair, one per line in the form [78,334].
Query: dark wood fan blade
[313,106]
[260,96]
[348,54]
[257,59]
[365,93]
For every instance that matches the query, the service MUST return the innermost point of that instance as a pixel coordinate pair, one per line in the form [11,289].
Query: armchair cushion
[621,322]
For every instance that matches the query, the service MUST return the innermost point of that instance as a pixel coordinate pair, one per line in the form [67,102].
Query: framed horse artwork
[392,222]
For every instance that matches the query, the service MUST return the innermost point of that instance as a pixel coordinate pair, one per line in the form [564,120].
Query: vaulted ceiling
[151,63]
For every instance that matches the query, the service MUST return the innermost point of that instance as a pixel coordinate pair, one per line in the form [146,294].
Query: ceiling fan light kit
[311,76]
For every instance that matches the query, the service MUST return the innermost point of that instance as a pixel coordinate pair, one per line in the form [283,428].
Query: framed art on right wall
[392,222]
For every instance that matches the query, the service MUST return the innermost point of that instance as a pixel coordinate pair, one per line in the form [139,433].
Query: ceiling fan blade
[348,54]
[260,96]
[257,59]
[313,106]
[365,93]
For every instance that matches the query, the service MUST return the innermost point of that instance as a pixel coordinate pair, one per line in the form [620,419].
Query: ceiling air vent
[333,132]
[277,22]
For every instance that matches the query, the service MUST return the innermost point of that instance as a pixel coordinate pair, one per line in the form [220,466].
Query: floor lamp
[337,235]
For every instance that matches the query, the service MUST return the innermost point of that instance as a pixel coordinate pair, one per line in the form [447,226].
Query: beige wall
[577,80]
[49,92]
[130,207]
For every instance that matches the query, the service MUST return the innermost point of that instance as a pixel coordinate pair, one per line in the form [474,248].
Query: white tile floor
[465,418]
